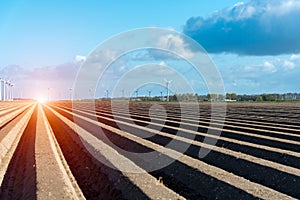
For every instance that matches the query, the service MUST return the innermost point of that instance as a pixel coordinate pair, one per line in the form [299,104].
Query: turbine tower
[167,85]
[2,89]
[7,90]
[11,91]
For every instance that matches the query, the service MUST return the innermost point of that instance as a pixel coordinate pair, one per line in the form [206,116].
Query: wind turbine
[11,91]
[70,89]
[49,93]
[90,93]
[7,90]
[149,91]
[167,85]
[106,91]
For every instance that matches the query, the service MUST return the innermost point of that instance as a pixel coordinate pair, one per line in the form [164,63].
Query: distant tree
[268,97]
[208,97]
[259,98]
[173,97]
[228,96]
[231,96]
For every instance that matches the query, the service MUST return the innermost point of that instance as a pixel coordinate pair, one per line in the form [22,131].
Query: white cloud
[238,4]
[122,68]
[240,11]
[105,56]
[283,7]
[295,57]
[249,68]
[176,44]
[79,58]
[162,63]
[265,67]
[288,64]
[269,67]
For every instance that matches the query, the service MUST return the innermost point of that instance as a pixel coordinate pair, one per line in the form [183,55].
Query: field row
[140,150]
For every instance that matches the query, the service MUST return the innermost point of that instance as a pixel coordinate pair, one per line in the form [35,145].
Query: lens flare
[40,100]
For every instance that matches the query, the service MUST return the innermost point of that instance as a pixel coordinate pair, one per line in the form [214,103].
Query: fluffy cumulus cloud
[259,74]
[295,57]
[269,67]
[288,64]
[279,65]
[252,28]
[167,47]
[175,43]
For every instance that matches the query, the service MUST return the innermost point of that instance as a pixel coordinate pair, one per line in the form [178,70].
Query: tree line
[232,97]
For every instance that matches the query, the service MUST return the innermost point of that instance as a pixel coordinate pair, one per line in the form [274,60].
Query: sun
[41,100]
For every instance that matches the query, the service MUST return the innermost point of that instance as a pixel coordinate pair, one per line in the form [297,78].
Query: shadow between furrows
[20,178]
[90,174]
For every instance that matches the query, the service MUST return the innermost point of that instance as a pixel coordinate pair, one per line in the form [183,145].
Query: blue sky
[255,45]
[51,32]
